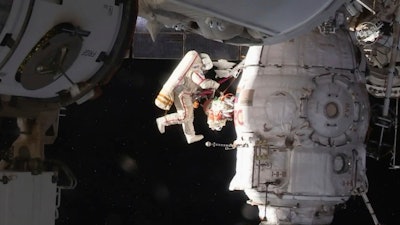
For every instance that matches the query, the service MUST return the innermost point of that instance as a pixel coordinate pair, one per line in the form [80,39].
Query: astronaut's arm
[203,82]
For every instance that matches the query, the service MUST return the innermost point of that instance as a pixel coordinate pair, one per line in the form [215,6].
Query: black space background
[173,183]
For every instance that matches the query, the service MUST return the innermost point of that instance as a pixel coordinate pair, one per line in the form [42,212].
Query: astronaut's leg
[187,125]
[167,120]
[190,133]
[174,118]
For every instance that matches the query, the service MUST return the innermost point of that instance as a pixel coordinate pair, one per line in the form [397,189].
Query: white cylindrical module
[262,22]
[59,51]
[301,116]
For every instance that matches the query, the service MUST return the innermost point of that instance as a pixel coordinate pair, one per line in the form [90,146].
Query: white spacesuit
[184,82]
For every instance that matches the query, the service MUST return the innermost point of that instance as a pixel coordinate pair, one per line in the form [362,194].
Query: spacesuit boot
[193,138]
[161,124]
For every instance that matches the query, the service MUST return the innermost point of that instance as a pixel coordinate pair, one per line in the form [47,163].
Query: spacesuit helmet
[206,60]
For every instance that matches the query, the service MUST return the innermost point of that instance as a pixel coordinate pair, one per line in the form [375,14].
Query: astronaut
[186,80]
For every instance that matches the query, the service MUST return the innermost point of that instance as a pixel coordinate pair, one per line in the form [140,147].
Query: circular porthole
[340,163]
[331,110]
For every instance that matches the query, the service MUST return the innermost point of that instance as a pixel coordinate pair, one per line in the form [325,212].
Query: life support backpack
[191,60]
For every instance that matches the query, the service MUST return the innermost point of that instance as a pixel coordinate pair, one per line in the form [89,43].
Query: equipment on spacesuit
[226,69]
[184,82]
[220,111]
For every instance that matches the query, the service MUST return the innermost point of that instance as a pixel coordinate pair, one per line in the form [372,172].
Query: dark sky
[130,174]
[173,183]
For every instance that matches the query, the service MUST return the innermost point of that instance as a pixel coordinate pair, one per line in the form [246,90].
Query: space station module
[301,118]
